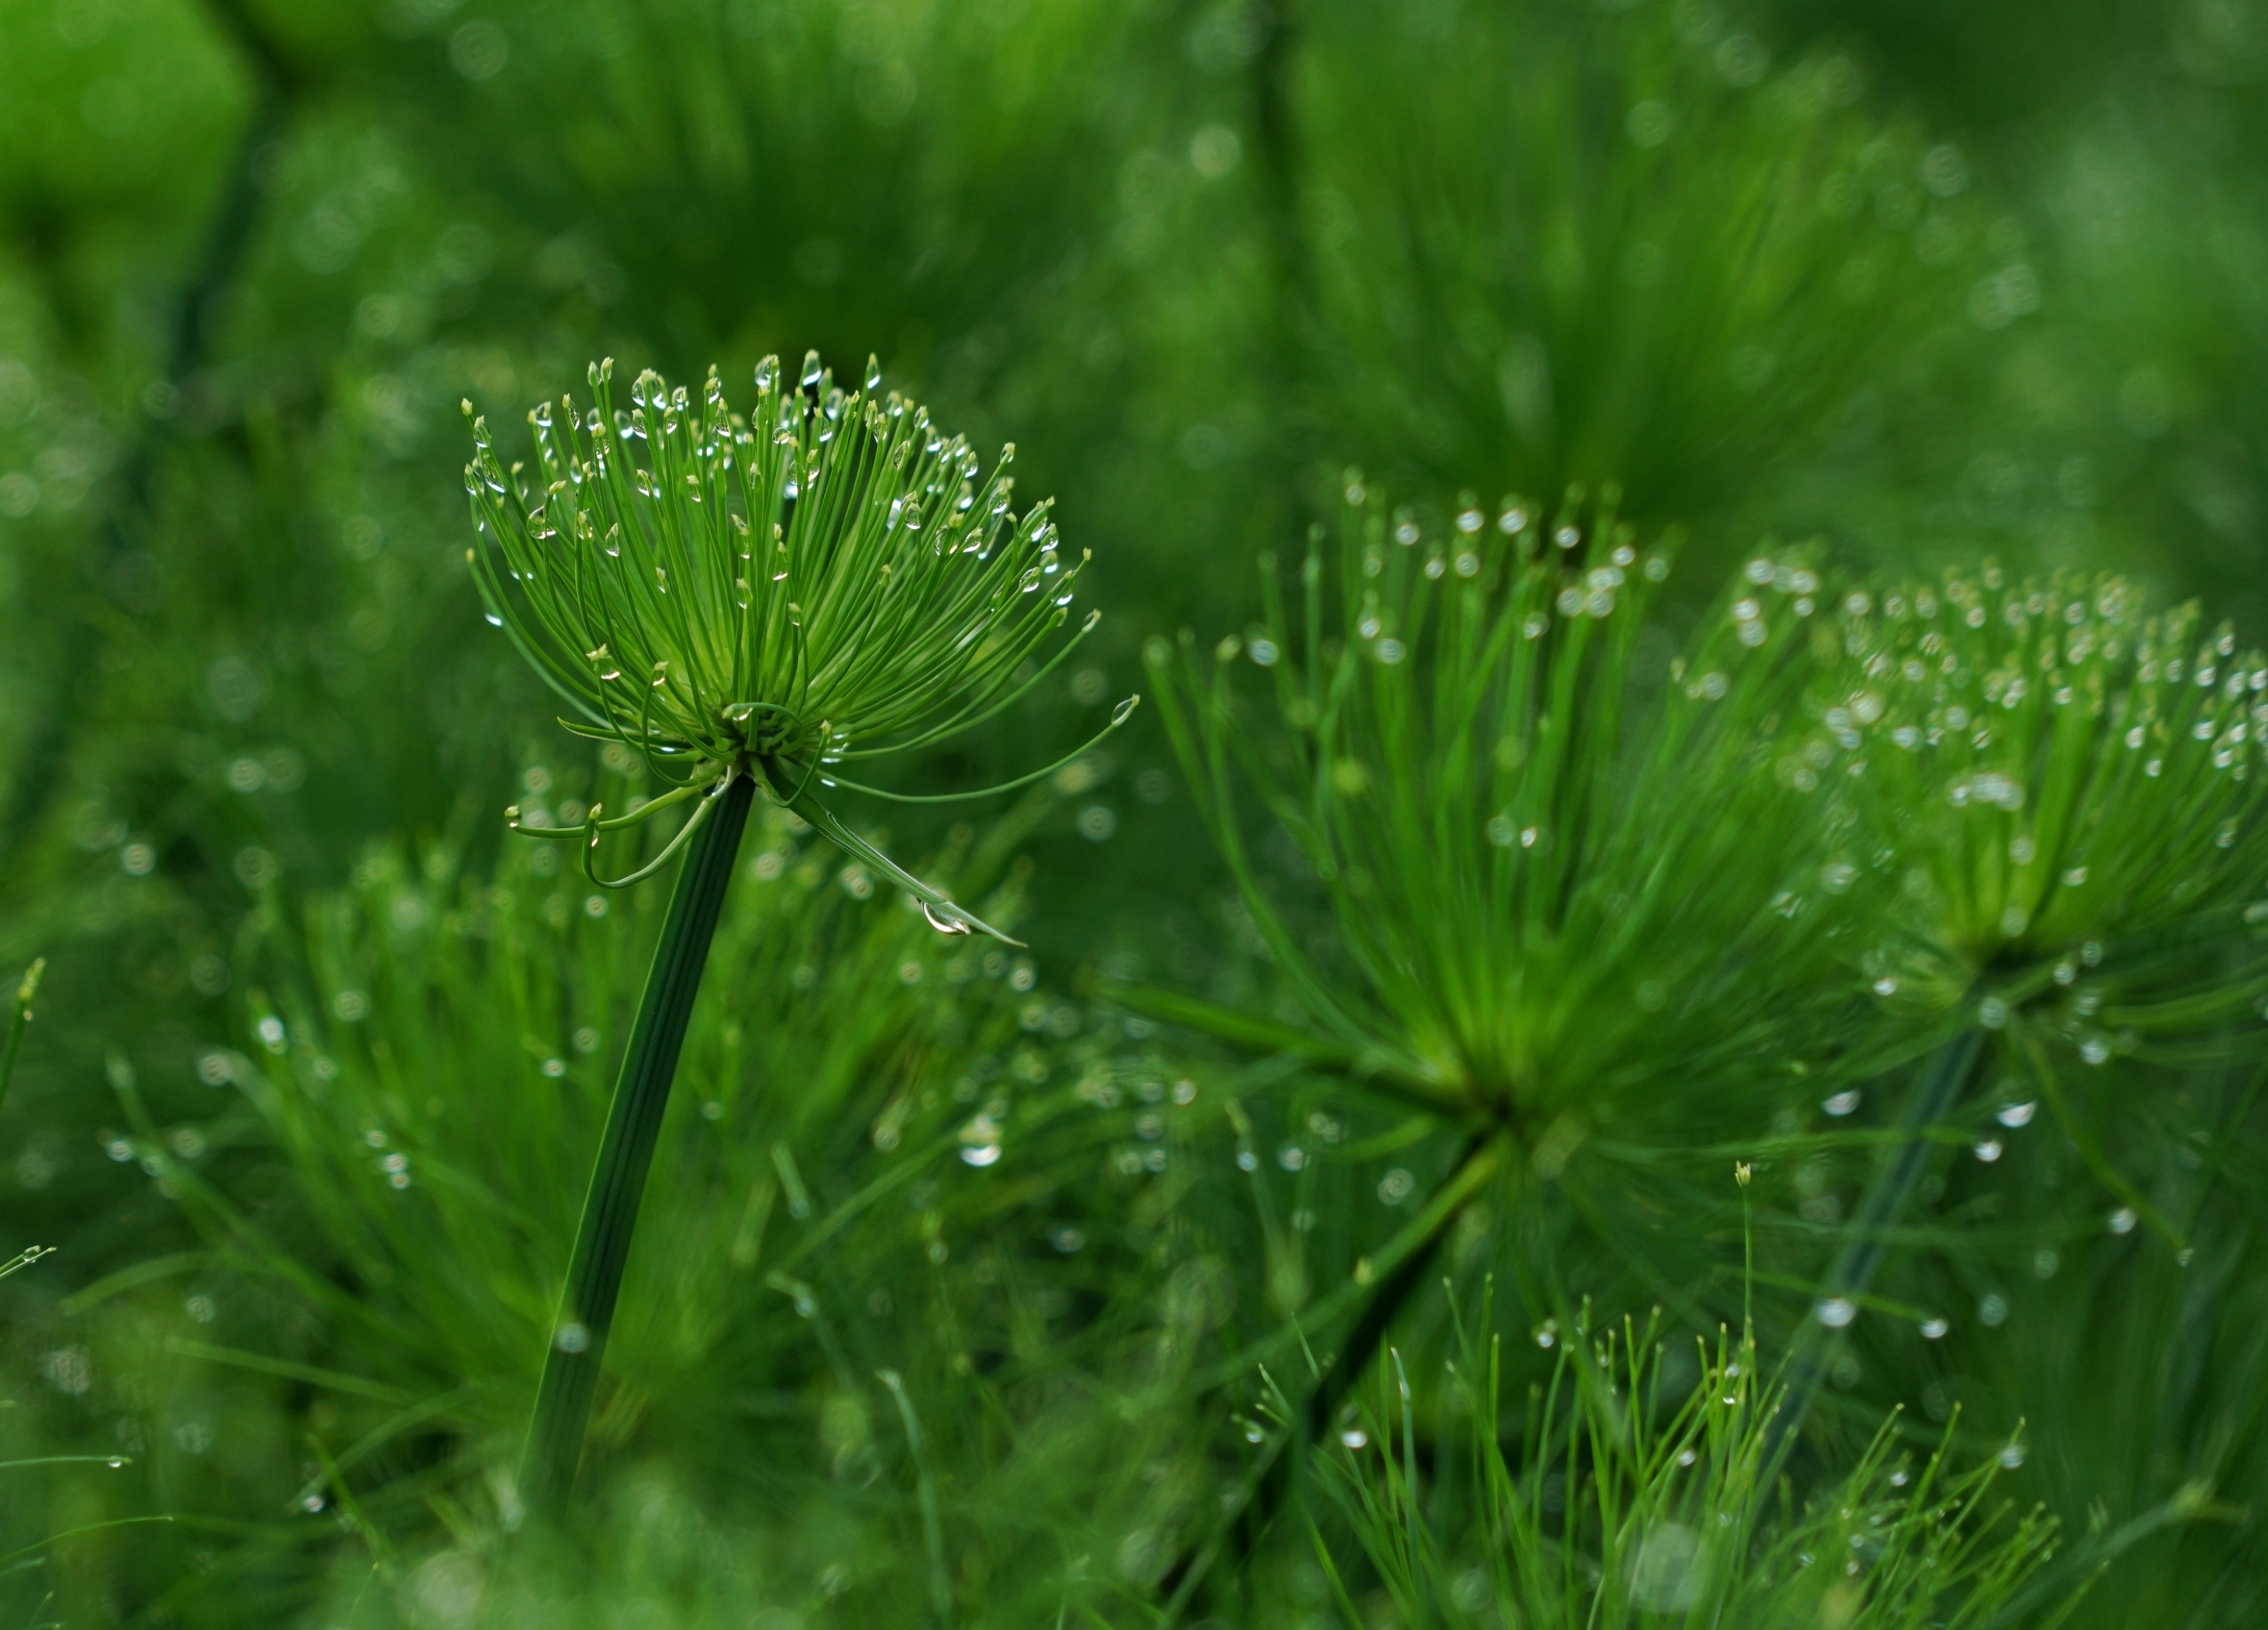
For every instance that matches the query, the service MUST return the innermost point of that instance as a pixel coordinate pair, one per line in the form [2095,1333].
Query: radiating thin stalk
[940,1576]
[1852,1274]
[602,1241]
[1264,1496]
[19,1019]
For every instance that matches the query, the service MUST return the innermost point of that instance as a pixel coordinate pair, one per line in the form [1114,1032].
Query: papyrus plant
[745,601]
[1577,886]
[2063,793]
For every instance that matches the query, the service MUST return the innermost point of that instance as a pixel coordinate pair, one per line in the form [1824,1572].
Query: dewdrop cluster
[2052,761]
[828,577]
[1559,871]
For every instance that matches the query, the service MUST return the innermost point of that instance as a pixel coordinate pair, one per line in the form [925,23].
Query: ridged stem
[1853,1273]
[602,1240]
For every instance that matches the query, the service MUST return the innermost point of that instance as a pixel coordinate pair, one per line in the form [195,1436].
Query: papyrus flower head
[2070,787]
[1570,871]
[827,578]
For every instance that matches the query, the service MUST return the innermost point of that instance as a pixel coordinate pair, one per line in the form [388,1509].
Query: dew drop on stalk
[1933,1329]
[943,925]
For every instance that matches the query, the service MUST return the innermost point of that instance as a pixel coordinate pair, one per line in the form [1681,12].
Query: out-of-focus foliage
[957,1305]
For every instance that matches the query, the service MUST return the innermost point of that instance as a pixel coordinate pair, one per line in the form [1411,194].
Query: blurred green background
[1926,281]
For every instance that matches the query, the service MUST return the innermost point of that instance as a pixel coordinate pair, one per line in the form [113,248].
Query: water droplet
[981,1154]
[2123,1220]
[2014,1115]
[571,1338]
[1842,1103]
[2013,1456]
[1992,1013]
[1354,1437]
[1933,1329]
[810,369]
[953,924]
[873,371]
[1837,1311]
[116,1461]
[493,621]
[1987,1149]
[1993,1312]
[768,373]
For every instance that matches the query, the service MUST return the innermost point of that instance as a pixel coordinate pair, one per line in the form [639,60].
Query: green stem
[1476,1167]
[1852,1274]
[17,1022]
[602,1241]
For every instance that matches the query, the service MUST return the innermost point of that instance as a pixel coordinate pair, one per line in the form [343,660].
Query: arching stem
[1852,1274]
[602,1241]
[1270,1486]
